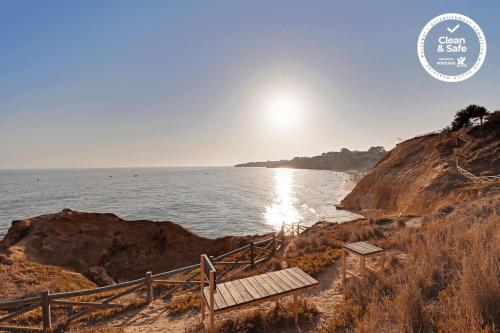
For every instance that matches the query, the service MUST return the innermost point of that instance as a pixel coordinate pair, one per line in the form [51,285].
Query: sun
[283,112]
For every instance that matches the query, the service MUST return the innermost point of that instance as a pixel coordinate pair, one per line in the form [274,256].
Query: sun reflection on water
[283,208]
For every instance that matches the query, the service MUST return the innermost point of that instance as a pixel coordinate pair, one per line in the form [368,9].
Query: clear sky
[165,83]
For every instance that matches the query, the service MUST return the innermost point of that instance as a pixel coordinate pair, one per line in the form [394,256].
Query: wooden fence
[232,262]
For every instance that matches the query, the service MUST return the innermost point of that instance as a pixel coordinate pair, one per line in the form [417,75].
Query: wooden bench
[227,296]
[362,250]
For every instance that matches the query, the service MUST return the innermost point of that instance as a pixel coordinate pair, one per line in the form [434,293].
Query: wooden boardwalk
[259,288]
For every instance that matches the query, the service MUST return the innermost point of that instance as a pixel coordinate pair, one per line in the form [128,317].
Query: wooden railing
[233,262]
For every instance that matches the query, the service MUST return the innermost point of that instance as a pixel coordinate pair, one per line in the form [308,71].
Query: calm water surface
[210,201]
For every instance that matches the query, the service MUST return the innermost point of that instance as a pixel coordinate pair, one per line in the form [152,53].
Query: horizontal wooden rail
[175,282]
[94,304]
[19,302]
[19,329]
[231,262]
[19,312]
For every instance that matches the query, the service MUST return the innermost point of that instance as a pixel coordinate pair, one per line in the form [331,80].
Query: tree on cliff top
[464,116]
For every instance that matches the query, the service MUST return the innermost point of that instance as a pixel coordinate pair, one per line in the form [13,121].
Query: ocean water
[212,202]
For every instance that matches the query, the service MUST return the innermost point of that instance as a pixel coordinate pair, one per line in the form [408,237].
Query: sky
[204,83]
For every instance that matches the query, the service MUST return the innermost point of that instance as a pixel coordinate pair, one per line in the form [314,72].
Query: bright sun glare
[284,112]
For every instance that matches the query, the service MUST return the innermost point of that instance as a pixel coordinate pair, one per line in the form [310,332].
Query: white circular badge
[451,47]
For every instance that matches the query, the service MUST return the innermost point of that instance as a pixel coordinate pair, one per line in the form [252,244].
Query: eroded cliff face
[125,249]
[420,176]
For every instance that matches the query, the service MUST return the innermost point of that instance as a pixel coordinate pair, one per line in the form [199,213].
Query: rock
[99,276]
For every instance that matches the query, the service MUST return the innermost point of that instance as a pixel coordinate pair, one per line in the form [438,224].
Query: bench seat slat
[258,287]
[243,292]
[304,275]
[255,294]
[286,280]
[291,277]
[219,300]
[297,276]
[274,282]
[234,292]
[363,248]
[222,289]
[270,290]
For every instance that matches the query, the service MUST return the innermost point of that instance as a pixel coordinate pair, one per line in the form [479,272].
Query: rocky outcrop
[86,242]
[343,160]
[419,175]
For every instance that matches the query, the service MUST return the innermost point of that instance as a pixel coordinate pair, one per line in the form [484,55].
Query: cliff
[338,161]
[104,244]
[420,176]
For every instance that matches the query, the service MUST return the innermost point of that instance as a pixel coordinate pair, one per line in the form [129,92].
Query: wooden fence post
[274,244]
[45,302]
[282,232]
[212,311]
[252,260]
[202,286]
[149,287]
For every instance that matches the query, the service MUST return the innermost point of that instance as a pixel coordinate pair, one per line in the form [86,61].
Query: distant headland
[343,160]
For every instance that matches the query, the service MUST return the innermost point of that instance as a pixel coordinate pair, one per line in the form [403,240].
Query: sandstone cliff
[420,176]
[88,242]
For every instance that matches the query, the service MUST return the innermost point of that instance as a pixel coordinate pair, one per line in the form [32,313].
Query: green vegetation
[464,116]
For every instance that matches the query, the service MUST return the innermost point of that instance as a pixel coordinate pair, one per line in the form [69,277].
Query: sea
[211,201]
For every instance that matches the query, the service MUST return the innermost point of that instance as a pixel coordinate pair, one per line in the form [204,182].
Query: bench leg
[296,308]
[344,275]
[343,266]
[202,310]
[362,264]
[212,321]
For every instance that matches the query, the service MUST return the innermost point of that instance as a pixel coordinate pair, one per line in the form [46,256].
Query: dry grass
[449,280]
[24,278]
[184,303]
[316,249]
[314,263]
[271,320]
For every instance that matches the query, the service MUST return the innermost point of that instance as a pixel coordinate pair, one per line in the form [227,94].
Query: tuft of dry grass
[314,263]
[184,303]
[263,321]
[24,278]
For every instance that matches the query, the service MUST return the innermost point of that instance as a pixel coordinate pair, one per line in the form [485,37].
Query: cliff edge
[89,243]
[420,175]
